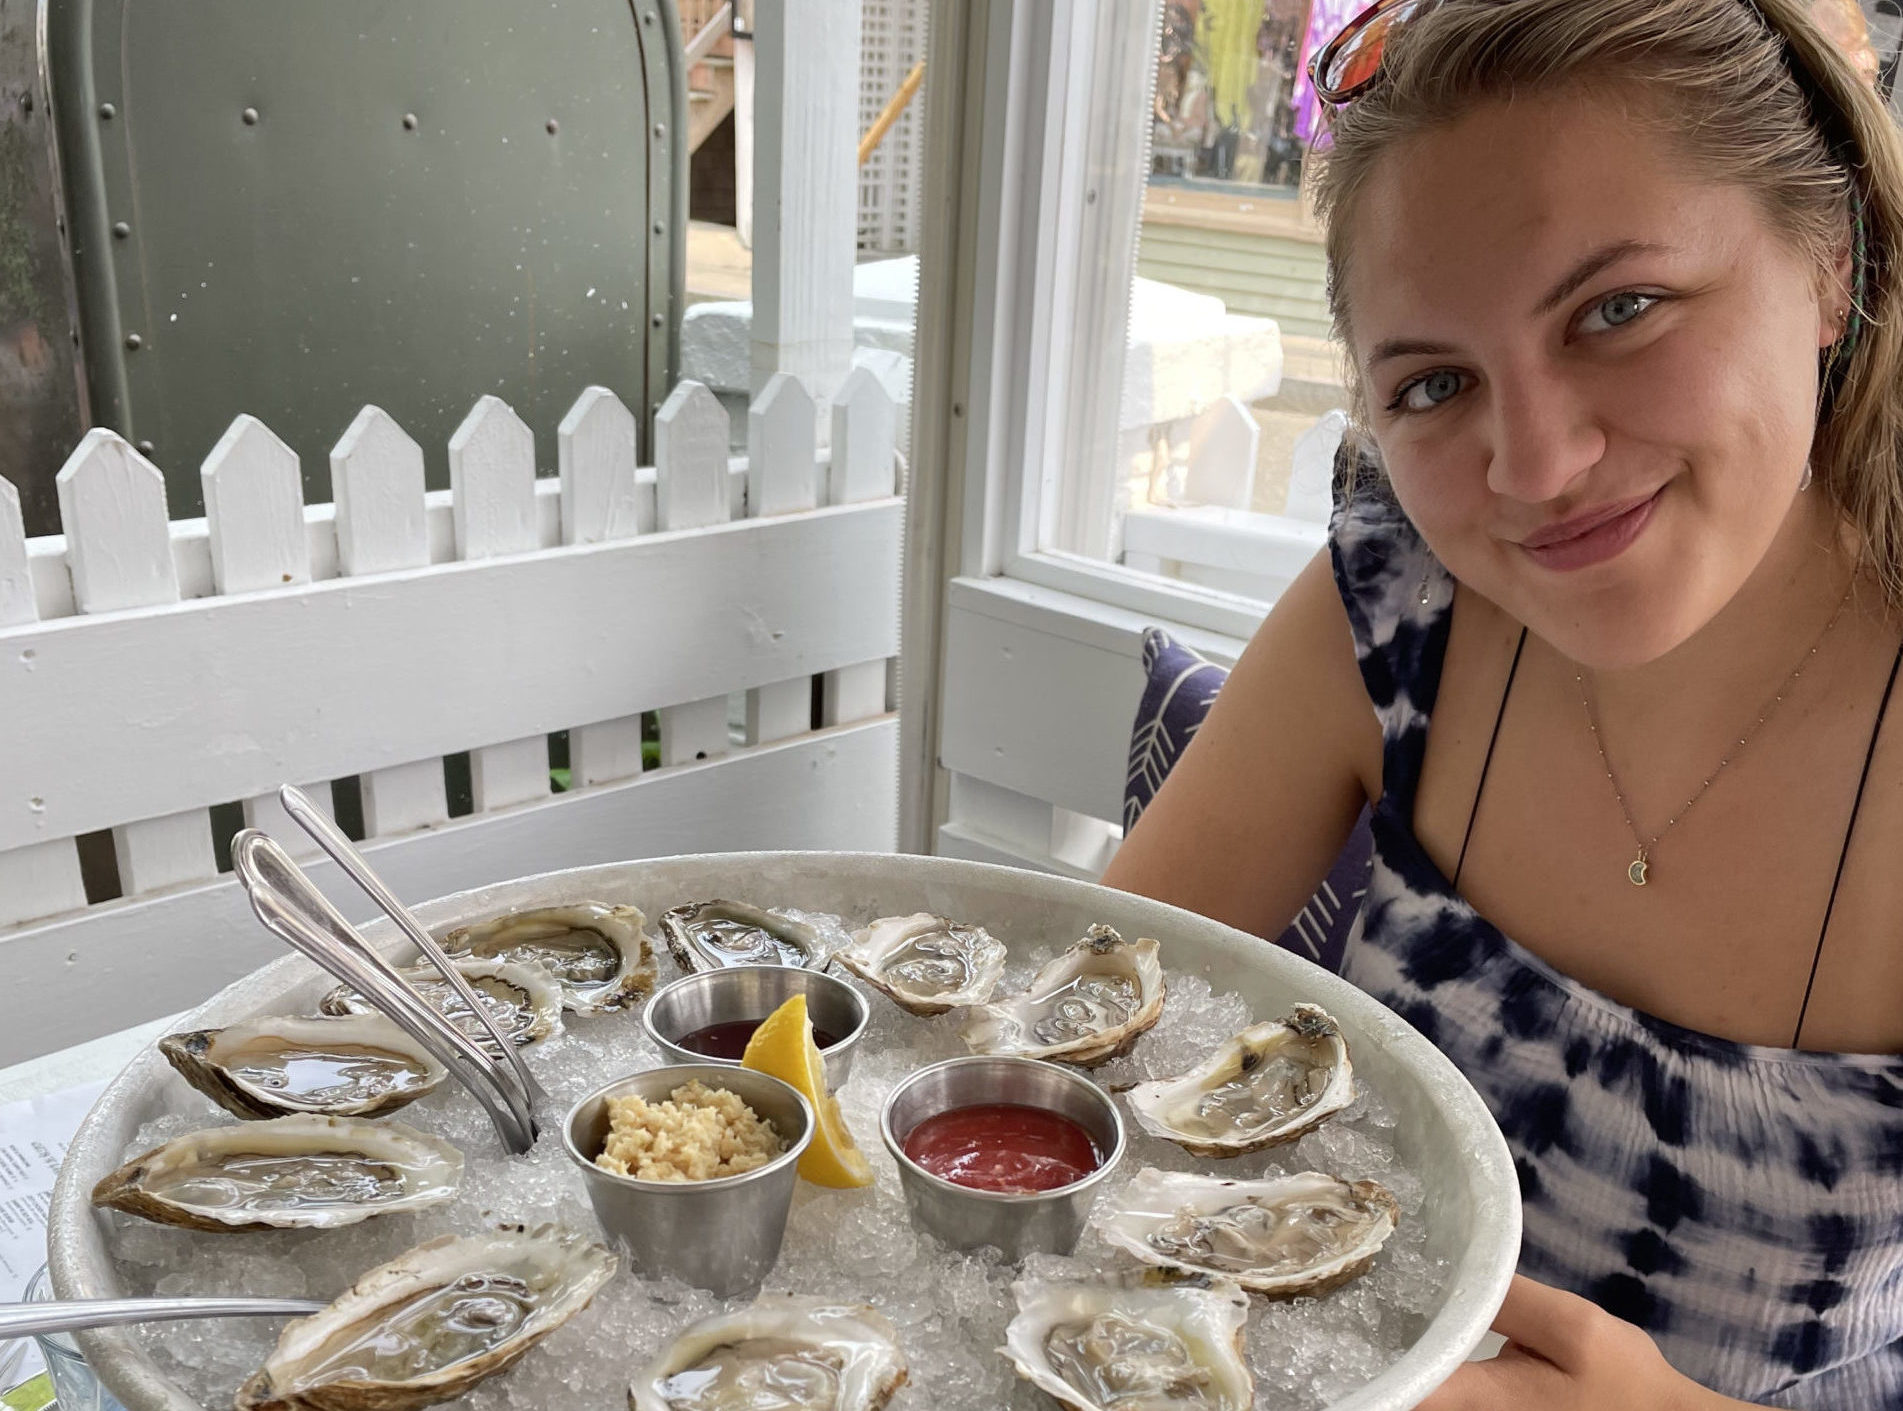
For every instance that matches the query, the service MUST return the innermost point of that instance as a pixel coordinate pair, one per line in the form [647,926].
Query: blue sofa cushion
[1179,688]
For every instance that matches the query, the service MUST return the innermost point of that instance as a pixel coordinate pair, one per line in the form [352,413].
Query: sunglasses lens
[1354,64]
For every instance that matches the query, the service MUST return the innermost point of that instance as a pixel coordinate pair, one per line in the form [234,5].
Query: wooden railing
[153,671]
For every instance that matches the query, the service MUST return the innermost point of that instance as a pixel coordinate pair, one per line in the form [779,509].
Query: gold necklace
[1636,873]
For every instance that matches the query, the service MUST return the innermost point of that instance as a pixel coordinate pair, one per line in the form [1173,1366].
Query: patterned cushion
[1181,686]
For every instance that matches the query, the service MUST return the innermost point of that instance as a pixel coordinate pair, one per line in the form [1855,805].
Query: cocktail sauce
[729,1040]
[1003,1147]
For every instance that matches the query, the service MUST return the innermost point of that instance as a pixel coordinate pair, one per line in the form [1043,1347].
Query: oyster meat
[356,1065]
[1267,1085]
[712,935]
[1304,1234]
[430,1324]
[1087,1006]
[598,954]
[303,1172]
[524,1000]
[779,1354]
[1141,1345]
[928,964]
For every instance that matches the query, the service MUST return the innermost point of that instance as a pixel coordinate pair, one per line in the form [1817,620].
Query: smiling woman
[1618,564]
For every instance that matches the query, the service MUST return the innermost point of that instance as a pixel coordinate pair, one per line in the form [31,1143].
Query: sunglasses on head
[1350,64]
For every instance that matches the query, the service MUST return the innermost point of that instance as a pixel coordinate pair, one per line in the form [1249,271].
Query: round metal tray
[1444,1133]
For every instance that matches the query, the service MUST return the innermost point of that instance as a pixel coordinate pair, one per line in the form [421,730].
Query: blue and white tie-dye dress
[1743,1204]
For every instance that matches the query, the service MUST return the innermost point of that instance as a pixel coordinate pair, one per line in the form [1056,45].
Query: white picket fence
[151,670]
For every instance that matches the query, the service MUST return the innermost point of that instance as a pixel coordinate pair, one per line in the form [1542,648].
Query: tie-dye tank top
[1742,1204]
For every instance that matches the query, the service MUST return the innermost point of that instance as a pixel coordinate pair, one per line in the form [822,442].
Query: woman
[1620,571]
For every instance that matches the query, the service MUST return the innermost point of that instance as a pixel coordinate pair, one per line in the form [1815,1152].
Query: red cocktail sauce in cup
[1003,1147]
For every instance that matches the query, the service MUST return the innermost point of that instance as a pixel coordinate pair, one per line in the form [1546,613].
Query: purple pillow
[1180,687]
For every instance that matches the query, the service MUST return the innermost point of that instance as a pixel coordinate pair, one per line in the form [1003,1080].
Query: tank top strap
[1400,609]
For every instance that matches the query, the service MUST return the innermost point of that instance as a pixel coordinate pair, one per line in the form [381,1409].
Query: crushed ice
[950,1308]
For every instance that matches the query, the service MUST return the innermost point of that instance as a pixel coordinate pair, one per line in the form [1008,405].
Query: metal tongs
[293,909]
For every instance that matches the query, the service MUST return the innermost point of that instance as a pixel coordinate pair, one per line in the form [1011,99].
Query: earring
[1804,484]
[1426,568]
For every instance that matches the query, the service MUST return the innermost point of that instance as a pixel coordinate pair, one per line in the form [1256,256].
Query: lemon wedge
[783,1047]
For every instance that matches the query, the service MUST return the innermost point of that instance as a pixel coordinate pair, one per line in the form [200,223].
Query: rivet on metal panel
[145,449]
[409,122]
[121,229]
[134,342]
[107,112]
[553,127]
[250,116]
[659,320]
[26,102]
[660,129]
[660,227]
[648,18]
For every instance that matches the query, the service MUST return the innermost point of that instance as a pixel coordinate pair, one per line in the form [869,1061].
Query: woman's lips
[1597,538]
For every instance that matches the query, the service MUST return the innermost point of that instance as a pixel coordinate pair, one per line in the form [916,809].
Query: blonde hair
[1747,92]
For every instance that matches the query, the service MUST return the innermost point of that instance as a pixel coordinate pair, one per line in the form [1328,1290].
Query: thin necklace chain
[1636,872]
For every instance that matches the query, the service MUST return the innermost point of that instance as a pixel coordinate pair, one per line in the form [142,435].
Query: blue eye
[1437,387]
[1617,310]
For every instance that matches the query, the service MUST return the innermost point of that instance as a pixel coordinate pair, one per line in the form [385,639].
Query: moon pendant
[1637,872]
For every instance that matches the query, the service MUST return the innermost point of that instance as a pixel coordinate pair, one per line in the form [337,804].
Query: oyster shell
[354,1066]
[524,999]
[784,1353]
[1085,1007]
[1141,1345]
[598,954]
[927,964]
[430,1324]
[1267,1085]
[303,1172]
[712,935]
[1304,1234]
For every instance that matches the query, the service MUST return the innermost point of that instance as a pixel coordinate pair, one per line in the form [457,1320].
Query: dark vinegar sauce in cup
[1003,1147]
[729,1040]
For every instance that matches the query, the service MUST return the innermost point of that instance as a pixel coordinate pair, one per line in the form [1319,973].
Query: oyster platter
[842,1132]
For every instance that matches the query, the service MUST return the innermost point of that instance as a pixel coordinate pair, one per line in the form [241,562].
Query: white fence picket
[865,428]
[17,603]
[254,521]
[691,436]
[492,490]
[1222,452]
[254,511]
[265,812]
[782,462]
[41,879]
[595,448]
[119,546]
[376,475]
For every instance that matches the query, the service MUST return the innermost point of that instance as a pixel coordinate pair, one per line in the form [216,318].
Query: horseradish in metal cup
[722,1235]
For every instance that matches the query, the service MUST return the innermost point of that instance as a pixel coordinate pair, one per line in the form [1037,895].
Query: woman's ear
[1833,303]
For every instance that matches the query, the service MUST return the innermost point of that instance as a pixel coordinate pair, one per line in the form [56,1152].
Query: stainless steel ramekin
[1042,1221]
[722,1235]
[754,992]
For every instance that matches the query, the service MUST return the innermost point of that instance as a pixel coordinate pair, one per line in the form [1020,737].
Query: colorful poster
[1326,19]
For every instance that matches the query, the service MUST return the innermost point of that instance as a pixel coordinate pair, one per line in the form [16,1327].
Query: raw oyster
[1301,1234]
[1142,1345]
[928,964]
[712,935]
[1085,1007]
[524,999]
[784,1353]
[1267,1085]
[303,1172]
[598,954]
[430,1324]
[354,1066]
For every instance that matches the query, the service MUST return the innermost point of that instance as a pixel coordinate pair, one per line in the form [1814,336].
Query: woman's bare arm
[1251,817]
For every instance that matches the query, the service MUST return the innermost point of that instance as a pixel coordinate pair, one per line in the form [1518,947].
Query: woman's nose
[1545,437]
